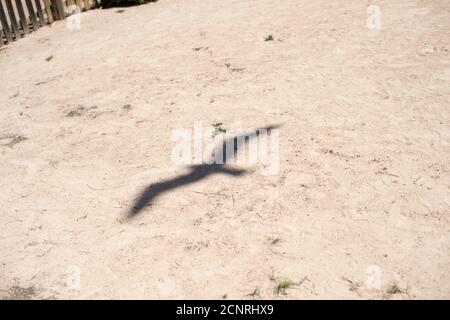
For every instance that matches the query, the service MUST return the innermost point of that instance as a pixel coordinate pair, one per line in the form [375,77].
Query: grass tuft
[285,285]
[218,129]
[254,293]
[275,241]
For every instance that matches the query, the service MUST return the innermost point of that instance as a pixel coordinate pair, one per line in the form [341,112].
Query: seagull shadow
[198,172]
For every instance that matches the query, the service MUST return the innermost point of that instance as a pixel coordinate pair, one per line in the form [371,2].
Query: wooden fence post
[23,19]
[32,14]
[40,12]
[5,25]
[12,18]
[48,10]
[60,7]
[54,8]
[79,4]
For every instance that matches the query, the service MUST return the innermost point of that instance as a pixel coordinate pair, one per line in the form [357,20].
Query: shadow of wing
[196,173]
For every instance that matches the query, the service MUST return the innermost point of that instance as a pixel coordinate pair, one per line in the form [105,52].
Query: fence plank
[70,7]
[80,4]
[1,38]
[5,25]
[60,9]
[23,19]
[32,14]
[49,11]
[40,12]
[12,18]
[54,9]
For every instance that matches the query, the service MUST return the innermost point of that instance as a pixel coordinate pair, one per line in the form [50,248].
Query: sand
[358,210]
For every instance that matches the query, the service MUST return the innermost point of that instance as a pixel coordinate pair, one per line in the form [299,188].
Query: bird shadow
[199,172]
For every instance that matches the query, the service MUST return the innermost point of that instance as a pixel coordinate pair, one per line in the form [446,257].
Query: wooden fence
[20,17]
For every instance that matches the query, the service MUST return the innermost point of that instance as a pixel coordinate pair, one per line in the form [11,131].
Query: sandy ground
[359,208]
